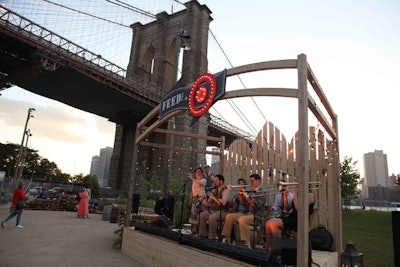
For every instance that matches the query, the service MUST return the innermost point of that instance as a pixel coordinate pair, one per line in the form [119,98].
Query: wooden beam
[321,118]
[267,65]
[185,134]
[132,181]
[303,163]
[155,125]
[186,149]
[149,116]
[281,92]
[318,90]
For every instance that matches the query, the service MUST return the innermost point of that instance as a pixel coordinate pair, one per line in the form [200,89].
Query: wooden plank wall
[273,158]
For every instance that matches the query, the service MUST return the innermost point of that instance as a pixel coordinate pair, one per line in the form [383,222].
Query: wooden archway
[305,103]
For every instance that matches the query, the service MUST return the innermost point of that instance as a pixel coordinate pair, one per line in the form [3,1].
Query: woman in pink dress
[83,207]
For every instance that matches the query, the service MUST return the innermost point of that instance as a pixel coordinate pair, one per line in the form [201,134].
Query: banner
[206,90]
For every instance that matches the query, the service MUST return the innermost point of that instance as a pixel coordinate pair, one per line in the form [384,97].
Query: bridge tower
[159,50]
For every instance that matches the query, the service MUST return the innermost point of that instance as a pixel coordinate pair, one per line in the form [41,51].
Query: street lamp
[20,152]
[350,256]
[21,168]
[182,36]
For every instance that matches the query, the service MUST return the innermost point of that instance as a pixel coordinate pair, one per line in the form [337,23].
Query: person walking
[83,207]
[16,209]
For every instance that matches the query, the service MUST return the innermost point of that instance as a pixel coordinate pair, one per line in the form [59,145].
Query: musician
[218,199]
[278,204]
[255,201]
[288,219]
[240,208]
[197,196]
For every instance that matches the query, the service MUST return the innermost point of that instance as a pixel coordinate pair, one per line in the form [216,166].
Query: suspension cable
[87,14]
[230,63]
[132,8]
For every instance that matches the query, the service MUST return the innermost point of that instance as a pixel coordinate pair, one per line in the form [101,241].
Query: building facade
[100,166]
[376,175]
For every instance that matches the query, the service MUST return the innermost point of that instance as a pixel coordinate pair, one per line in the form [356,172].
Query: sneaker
[19,226]
[225,240]
[244,243]
[3,224]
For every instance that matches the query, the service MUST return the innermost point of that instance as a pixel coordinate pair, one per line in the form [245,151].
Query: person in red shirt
[19,194]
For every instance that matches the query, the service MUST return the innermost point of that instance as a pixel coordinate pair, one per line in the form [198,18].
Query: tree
[349,178]
[89,181]
[35,166]
[93,184]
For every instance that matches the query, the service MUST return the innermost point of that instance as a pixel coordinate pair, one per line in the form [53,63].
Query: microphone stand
[182,204]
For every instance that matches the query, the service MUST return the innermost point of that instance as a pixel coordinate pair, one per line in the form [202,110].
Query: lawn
[371,232]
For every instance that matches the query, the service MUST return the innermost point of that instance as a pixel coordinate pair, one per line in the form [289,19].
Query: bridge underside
[22,65]
[29,67]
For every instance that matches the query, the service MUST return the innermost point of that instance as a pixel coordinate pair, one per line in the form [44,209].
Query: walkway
[57,238]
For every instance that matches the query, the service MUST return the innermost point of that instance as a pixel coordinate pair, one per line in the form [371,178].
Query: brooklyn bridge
[170,51]
[45,63]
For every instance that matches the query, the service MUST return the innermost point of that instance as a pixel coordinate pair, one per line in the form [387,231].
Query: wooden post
[337,203]
[133,178]
[302,163]
[221,157]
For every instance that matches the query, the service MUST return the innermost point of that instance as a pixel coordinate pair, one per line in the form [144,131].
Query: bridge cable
[252,128]
[87,14]
[230,102]
[219,45]
[179,2]
[132,8]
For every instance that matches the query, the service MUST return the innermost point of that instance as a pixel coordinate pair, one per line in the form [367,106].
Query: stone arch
[148,59]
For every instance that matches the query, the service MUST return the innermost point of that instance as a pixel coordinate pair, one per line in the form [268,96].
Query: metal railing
[218,122]
[59,49]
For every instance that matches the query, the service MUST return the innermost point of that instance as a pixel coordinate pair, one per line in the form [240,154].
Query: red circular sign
[199,95]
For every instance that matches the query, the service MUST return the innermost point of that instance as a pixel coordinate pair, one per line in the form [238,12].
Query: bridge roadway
[45,63]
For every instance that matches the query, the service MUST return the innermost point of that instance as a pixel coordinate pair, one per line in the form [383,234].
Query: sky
[352,47]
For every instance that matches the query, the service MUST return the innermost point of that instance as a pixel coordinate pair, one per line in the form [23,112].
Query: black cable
[132,8]
[219,45]
[87,14]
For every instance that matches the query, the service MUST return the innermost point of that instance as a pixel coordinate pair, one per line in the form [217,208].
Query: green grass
[371,233]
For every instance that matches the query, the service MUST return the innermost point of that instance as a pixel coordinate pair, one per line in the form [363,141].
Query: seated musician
[277,208]
[240,208]
[256,211]
[288,219]
[219,199]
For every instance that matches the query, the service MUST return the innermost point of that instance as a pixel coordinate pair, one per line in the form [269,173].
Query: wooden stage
[154,250]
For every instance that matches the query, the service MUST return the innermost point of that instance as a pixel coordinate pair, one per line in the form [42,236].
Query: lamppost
[350,256]
[182,35]
[20,152]
[21,168]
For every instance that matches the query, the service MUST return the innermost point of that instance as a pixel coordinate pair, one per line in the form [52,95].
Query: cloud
[60,133]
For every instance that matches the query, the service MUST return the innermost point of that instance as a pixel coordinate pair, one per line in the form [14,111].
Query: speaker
[135,203]
[288,251]
[255,257]
[156,230]
[162,221]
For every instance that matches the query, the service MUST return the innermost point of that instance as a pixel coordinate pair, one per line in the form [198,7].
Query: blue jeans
[12,215]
